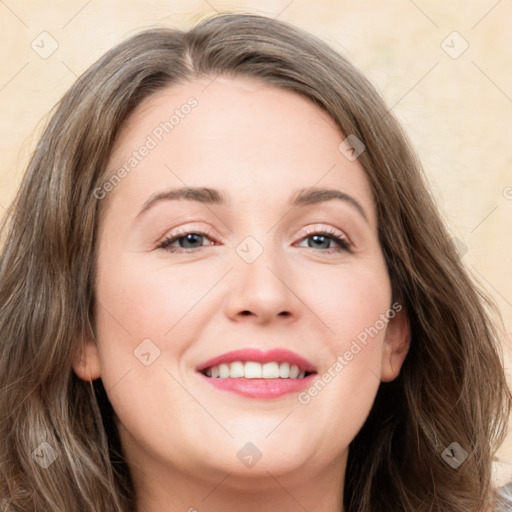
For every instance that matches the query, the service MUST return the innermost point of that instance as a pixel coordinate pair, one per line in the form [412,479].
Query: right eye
[184,238]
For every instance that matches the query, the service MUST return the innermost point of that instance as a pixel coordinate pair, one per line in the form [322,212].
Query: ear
[396,346]
[87,361]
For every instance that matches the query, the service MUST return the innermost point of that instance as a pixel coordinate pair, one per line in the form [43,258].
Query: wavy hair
[452,385]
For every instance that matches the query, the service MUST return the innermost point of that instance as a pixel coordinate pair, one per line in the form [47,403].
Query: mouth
[257,374]
[252,363]
[256,370]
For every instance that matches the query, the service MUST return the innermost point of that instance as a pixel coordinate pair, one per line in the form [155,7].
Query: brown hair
[452,385]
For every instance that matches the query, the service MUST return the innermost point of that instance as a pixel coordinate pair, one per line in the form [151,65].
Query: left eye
[321,238]
[189,241]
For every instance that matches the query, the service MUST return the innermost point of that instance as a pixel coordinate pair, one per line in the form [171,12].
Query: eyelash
[343,243]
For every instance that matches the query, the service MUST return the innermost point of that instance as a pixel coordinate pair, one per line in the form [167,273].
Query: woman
[251,372]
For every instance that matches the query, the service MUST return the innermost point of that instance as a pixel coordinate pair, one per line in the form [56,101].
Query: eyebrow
[300,198]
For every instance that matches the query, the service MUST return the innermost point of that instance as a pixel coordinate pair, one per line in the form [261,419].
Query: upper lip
[252,354]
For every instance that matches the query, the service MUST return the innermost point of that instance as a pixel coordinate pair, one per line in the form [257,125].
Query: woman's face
[260,270]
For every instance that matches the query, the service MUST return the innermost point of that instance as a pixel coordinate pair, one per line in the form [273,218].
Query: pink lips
[259,388]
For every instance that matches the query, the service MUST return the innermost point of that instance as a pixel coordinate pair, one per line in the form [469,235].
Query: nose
[262,291]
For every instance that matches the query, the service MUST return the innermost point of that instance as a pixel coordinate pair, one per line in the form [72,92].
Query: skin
[181,435]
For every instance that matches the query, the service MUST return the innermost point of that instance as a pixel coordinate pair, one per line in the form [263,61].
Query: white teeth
[223,371]
[294,371]
[236,370]
[254,370]
[284,370]
[270,371]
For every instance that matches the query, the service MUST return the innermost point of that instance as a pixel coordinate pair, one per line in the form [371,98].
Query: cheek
[350,300]
[144,325]
[137,302]
[149,301]
[352,305]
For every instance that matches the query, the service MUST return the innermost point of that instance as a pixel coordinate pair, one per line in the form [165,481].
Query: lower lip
[260,388]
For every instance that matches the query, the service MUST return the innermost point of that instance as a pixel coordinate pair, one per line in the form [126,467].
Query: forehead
[242,135]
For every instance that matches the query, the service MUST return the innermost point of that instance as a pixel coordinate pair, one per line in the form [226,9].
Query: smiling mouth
[255,370]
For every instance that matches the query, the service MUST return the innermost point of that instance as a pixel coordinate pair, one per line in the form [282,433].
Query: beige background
[456,108]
